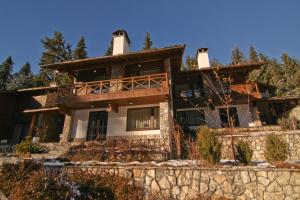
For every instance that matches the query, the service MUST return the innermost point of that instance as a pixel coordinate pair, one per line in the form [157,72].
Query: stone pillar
[67,128]
[255,116]
[165,125]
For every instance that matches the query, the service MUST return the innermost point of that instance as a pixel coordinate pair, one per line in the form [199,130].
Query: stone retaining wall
[184,183]
[257,142]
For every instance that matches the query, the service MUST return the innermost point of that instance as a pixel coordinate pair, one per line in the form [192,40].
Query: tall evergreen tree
[22,79]
[5,72]
[109,50]
[147,42]
[237,55]
[191,63]
[253,56]
[80,50]
[56,51]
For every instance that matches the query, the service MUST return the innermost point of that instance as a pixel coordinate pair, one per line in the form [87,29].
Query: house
[138,96]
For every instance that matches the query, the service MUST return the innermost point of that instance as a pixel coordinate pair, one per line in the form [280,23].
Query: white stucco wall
[120,45]
[116,124]
[212,117]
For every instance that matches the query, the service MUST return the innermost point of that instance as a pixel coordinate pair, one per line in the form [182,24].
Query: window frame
[151,119]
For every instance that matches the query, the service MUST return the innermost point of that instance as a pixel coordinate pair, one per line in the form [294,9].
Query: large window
[230,115]
[143,118]
[191,117]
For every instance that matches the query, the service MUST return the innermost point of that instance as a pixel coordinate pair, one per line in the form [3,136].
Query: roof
[248,65]
[37,88]
[89,63]
[282,98]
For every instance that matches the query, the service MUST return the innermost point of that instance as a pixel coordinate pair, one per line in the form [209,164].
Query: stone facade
[257,142]
[184,183]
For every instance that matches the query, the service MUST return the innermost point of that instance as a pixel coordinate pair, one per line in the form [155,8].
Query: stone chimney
[202,58]
[121,42]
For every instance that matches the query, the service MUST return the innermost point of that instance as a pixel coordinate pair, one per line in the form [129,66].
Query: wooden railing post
[149,82]
[132,83]
[100,90]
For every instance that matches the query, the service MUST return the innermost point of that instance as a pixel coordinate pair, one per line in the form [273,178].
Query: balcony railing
[114,85]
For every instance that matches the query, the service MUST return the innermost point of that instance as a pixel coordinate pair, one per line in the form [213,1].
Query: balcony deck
[140,88]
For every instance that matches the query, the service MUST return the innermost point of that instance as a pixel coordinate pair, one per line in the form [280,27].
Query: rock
[262,174]
[195,185]
[2,196]
[238,190]
[245,177]
[175,191]
[212,186]
[263,180]
[219,192]
[288,190]
[172,180]
[295,178]
[184,190]
[164,183]
[249,194]
[226,187]
[182,180]
[196,175]
[274,196]
[284,178]
[219,178]
[272,175]
[151,173]
[148,181]
[203,188]
[274,187]
[297,189]
[154,186]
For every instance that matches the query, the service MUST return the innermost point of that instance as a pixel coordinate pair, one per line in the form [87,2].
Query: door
[233,117]
[97,126]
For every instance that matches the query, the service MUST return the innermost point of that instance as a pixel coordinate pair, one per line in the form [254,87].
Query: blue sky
[272,26]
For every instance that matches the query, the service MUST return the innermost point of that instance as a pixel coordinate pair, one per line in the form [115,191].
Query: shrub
[208,145]
[105,186]
[42,185]
[27,146]
[243,152]
[285,123]
[16,173]
[276,149]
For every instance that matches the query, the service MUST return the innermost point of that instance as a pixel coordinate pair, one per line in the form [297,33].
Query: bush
[208,145]
[105,186]
[27,146]
[276,149]
[16,173]
[285,124]
[42,185]
[243,152]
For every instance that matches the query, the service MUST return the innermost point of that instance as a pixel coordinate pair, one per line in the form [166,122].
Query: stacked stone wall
[257,141]
[188,182]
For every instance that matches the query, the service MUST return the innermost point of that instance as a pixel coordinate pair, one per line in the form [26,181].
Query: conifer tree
[80,50]
[191,63]
[215,63]
[5,72]
[109,50]
[56,51]
[253,54]
[237,55]
[22,79]
[147,43]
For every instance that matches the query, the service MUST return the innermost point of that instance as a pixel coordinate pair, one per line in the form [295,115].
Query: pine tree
[191,63]
[253,54]
[22,79]
[56,51]
[237,55]
[5,72]
[80,50]
[215,63]
[147,43]
[109,50]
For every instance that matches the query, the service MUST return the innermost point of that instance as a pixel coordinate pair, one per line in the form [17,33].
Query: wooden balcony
[115,90]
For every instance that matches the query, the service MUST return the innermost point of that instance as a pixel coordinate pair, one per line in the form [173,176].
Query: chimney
[202,58]
[121,42]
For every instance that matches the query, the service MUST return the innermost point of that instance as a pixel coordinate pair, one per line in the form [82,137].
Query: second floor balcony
[154,85]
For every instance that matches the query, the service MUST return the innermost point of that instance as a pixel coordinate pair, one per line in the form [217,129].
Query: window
[233,117]
[143,118]
[191,118]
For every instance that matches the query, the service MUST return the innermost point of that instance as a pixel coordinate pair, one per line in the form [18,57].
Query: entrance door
[97,126]
[233,117]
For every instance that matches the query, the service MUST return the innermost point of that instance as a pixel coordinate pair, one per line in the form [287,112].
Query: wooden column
[67,128]
[32,124]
